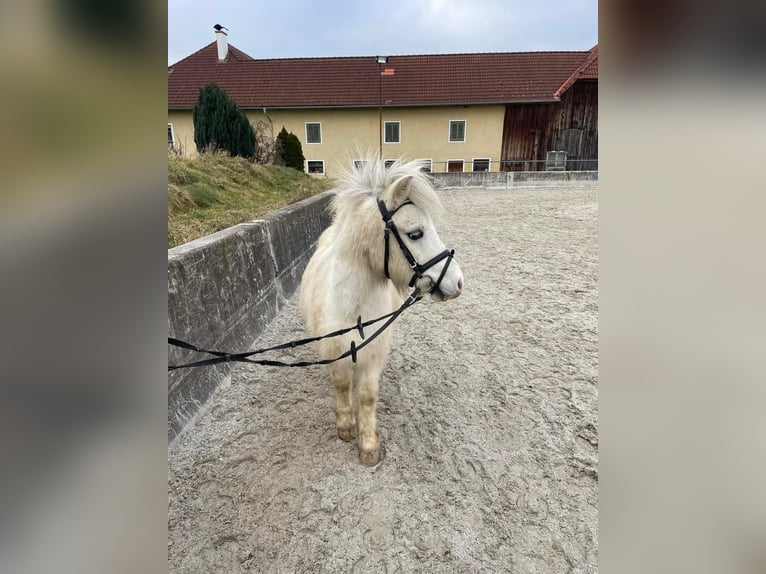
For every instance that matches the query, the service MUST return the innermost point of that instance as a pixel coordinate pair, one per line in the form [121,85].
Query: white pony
[355,273]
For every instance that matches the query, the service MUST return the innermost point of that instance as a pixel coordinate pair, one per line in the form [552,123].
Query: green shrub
[290,150]
[219,124]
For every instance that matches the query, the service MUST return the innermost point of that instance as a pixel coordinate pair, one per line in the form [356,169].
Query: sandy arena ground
[487,411]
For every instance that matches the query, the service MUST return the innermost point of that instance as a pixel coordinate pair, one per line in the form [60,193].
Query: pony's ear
[400,189]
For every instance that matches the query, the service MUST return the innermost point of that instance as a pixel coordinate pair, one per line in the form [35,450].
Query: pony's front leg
[341,376]
[366,386]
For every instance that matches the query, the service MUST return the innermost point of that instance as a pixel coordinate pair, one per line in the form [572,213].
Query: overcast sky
[304,28]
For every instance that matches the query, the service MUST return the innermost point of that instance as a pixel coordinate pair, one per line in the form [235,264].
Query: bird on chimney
[218,28]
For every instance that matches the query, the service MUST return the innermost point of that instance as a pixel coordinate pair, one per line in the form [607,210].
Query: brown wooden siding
[571,125]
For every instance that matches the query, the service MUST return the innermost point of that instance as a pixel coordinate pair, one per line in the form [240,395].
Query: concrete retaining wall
[225,288]
[516,179]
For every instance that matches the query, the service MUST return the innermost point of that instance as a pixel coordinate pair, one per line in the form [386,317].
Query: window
[457,130]
[481,164]
[313,133]
[315,166]
[392,132]
[390,162]
[556,161]
[425,165]
[359,163]
[455,165]
[171,138]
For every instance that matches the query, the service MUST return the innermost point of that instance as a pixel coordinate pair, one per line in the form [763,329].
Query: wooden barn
[556,135]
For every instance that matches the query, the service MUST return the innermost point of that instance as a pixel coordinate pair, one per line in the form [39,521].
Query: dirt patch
[487,410]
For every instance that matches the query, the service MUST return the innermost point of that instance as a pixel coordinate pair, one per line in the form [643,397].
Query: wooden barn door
[524,136]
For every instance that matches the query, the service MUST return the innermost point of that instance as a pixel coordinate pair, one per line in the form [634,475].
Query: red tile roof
[355,81]
[590,72]
[587,70]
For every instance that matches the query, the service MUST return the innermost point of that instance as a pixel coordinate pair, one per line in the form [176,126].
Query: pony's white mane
[374,180]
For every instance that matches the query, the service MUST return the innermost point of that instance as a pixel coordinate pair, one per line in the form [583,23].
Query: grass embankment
[209,193]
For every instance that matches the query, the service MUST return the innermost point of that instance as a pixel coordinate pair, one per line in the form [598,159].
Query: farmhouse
[510,111]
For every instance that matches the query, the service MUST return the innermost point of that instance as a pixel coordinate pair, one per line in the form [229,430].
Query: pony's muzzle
[450,286]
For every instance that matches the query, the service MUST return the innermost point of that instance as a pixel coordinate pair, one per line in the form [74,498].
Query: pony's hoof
[370,449]
[369,458]
[348,434]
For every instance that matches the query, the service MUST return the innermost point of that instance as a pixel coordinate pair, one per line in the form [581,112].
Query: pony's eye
[414,235]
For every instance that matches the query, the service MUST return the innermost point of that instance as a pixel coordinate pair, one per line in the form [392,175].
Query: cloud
[296,28]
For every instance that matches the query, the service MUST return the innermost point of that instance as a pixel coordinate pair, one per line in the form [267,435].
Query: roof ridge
[247,56]
[304,58]
[211,44]
[192,54]
[525,52]
[592,54]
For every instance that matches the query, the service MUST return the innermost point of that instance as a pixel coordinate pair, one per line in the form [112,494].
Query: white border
[323,172]
[306,133]
[489,165]
[400,131]
[446,165]
[465,131]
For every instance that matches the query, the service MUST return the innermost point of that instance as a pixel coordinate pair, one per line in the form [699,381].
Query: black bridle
[418,269]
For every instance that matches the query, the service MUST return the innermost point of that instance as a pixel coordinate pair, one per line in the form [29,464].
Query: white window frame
[315,172]
[430,164]
[389,162]
[172,141]
[306,132]
[446,166]
[487,159]
[465,131]
[398,132]
[359,163]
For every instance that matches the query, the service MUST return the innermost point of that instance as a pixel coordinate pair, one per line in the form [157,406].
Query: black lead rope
[221,357]
[418,271]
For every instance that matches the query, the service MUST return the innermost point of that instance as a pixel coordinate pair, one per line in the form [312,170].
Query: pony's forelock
[373,180]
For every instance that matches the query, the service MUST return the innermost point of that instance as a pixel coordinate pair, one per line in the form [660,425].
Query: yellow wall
[183,130]
[349,133]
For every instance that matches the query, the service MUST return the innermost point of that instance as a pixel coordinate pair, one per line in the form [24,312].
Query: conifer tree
[219,124]
[290,149]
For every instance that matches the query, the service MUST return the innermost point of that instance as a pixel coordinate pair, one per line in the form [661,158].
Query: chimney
[221,40]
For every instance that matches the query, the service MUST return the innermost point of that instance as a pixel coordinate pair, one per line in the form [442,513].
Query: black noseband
[417,268]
